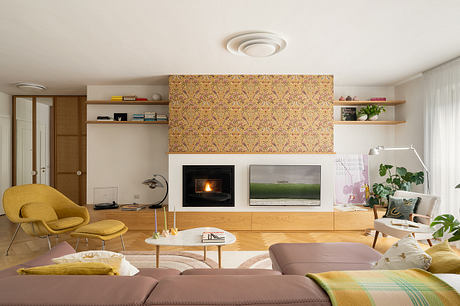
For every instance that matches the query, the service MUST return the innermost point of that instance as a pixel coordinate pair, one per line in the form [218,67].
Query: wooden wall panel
[66,116]
[68,150]
[251,113]
[292,221]
[69,184]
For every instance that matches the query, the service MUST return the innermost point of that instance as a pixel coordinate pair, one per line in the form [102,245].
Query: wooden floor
[26,247]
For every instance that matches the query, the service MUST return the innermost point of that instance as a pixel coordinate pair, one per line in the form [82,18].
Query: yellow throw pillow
[107,257]
[78,268]
[444,259]
[39,210]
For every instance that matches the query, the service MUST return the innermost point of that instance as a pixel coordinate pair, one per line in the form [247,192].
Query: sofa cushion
[237,290]
[75,290]
[158,273]
[75,268]
[302,258]
[230,272]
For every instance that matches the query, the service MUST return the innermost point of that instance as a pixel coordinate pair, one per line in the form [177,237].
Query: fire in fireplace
[208,186]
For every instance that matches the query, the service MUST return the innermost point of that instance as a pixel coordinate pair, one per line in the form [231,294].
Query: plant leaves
[401,171]
[382,170]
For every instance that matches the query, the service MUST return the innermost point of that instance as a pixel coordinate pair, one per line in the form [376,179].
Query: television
[284,185]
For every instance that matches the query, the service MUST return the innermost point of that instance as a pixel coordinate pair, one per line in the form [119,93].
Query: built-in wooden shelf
[368,122]
[126,122]
[356,103]
[109,102]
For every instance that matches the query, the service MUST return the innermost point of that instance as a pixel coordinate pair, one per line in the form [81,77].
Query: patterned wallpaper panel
[251,113]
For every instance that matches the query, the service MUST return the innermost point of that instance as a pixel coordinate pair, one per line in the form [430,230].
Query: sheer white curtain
[442,133]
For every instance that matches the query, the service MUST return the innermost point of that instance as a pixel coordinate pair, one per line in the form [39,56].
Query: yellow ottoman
[103,230]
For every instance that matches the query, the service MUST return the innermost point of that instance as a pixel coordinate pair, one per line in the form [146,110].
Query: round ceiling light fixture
[256,44]
[30,87]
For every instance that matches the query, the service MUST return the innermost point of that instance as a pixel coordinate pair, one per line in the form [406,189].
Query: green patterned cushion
[400,208]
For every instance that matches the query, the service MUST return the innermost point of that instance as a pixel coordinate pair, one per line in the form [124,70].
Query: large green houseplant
[448,225]
[401,179]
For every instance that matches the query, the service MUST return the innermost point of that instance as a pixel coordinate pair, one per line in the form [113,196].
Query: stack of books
[138,117]
[141,99]
[150,116]
[213,237]
[129,98]
[117,98]
[104,118]
[377,99]
[133,207]
[162,117]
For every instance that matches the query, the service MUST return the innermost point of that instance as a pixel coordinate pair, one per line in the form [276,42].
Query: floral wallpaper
[251,113]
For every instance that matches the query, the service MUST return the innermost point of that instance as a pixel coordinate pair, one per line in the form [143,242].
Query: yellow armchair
[41,210]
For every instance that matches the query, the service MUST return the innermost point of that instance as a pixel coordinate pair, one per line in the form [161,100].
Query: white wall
[5,144]
[413,131]
[125,155]
[358,139]
[242,162]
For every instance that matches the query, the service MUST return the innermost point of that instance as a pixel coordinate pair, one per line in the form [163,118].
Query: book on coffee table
[213,237]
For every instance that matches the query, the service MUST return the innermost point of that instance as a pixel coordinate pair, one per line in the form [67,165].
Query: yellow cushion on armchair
[64,223]
[39,210]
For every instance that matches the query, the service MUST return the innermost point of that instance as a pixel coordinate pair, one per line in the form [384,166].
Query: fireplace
[208,186]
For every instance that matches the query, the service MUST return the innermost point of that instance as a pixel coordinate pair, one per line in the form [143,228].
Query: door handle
[33,172]
[78,172]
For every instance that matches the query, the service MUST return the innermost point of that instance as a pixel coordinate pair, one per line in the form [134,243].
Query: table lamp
[153,183]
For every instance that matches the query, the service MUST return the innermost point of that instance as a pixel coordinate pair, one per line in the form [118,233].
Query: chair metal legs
[103,245]
[429,242]
[375,239]
[78,241]
[12,239]
[49,241]
[122,242]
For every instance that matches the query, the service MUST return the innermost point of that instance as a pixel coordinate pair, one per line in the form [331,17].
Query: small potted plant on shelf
[372,111]
[361,115]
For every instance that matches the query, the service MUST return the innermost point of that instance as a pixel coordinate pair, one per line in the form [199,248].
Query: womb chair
[42,211]
[423,215]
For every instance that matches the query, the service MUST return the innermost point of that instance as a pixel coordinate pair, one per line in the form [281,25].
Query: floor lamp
[376,151]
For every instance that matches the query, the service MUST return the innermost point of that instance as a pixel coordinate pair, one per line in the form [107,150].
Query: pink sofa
[159,287]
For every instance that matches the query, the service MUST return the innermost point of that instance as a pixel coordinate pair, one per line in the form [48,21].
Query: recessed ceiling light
[30,86]
[256,44]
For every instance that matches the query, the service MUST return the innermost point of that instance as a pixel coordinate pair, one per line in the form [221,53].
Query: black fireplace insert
[208,186]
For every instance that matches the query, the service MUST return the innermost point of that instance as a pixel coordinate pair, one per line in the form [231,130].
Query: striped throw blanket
[386,287]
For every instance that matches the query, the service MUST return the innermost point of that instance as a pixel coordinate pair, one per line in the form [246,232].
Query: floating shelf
[355,103]
[126,122]
[368,122]
[109,102]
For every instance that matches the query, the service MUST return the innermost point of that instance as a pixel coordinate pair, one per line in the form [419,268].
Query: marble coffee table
[191,237]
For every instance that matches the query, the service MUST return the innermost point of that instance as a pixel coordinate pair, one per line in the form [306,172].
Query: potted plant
[448,225]
[361,115]
[400,180]
[372,111]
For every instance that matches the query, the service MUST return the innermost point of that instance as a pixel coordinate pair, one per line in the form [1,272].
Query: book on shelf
[104,118]
[404,223]
[129,98]
[378,99]
[117,98]
[133,207]
[213,237]
[141,99]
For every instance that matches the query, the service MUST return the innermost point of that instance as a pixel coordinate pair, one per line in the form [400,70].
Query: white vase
[156,97]
[373,118]
[362,117]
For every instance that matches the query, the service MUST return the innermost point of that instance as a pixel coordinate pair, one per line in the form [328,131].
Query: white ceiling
[67,44]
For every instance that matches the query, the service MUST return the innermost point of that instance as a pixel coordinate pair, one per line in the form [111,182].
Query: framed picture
[120,117]
[348,114]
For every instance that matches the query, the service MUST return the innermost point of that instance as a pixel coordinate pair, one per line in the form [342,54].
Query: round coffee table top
[191,237]
[421,228]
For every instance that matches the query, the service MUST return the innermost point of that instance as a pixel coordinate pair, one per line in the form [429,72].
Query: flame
[207,187]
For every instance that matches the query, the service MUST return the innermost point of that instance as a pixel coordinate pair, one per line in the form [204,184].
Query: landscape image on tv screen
[284,185]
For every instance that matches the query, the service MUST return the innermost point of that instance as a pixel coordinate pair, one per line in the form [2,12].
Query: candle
[156,226]
[174,216]
[166,223]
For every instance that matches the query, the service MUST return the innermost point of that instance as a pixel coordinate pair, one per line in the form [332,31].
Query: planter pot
[362,117]
[373,118]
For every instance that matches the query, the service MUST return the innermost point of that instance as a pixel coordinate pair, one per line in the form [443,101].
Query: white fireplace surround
[242,162]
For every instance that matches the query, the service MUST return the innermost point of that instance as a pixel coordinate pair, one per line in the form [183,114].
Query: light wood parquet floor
[26,247]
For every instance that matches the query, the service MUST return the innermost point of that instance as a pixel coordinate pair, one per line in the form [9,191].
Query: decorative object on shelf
[341,98]
[378,99]
[120,116]
[372,111]
[348,114]
[355,98]
[361,115]
[154,183]
[156,96]
[156,234]
[348,98]
[104,118]
[174,229]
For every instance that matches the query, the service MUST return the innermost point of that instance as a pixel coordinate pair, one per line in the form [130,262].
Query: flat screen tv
[284,185]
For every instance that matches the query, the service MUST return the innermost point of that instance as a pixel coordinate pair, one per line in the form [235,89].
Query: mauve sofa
[163,286]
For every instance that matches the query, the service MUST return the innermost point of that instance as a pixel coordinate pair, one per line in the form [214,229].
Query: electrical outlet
[137,197]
